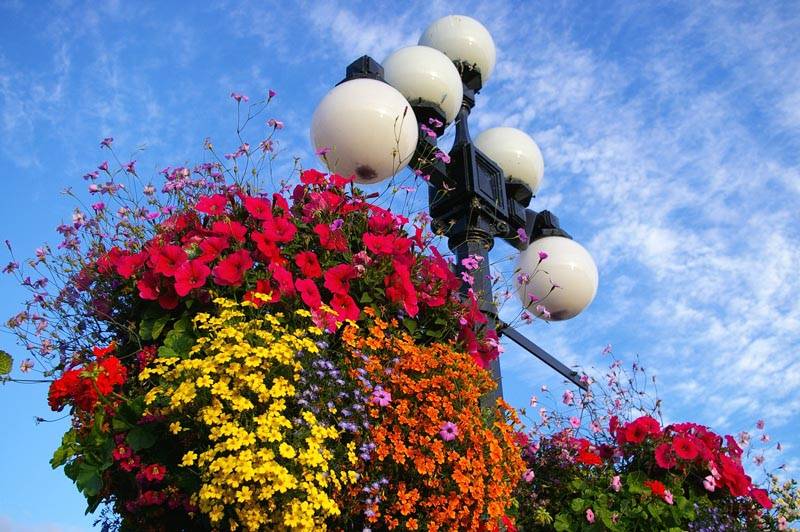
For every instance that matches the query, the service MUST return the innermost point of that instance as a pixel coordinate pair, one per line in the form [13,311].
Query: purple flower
[103,166]
[435,122]
[99,206]
[106,142]
[381,397]
[442,156]
[336,224]
[528,475]
[471,262]
[542,255]
[523,236]
[428,131]
[239,97]
[322,152]
[277,124]
[449,431]
[130,167]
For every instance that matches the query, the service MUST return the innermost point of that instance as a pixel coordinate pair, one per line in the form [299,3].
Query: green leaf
[6,363]
[562,523]
[577,505]
[158,326]
[120,424]
[365,298]
[65,451]
[141,438]
[88,480]
[410,324]
[146,329]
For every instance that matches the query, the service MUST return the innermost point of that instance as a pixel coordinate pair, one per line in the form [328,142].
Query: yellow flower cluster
[260,466]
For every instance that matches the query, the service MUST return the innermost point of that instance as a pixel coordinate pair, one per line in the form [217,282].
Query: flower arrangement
[233,359]
[638,474]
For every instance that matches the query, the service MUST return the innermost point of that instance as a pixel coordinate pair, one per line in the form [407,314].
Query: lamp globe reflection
[562,285]
[365,128]
[426,76]
[515,152]
[464,40]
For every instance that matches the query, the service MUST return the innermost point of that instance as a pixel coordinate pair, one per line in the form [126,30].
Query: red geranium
[656,487]
[588,458]
[761,497]
[685,448]
[664,457]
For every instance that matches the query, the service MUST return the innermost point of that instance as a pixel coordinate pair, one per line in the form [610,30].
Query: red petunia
[192,274]
[345,307]
[761,497]
[214,205]
[262,287]
[259,208]
[400,289]
[230,270]
[230,229]
[331,240]
[312,177]
[268,248]
[640,428]
[685,448]
[149,286]
[381,221]
[167,259]
[309,293]
[280,229]
[337,279]
[212,247]
[127,265]
[283,278]
[340,181]
[664,457]
[308,264]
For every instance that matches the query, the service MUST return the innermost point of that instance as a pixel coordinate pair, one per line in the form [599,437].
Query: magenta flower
[322,152]
[522,234]
[449,431]
[428,131]
[381,397]
[106,142]
[760,424]
[528,475]
[435,122]
[271,94]
[99,206]
[668,497]
[442,156]
[470,263]
[103,166]
[542,255]
[590,515]
[575,422]
[130,167]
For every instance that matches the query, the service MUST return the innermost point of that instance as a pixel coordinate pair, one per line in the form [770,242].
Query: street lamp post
[478,192]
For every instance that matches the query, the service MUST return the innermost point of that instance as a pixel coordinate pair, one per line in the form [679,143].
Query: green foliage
[6,363]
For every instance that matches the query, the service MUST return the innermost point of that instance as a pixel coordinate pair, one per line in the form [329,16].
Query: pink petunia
[449,431]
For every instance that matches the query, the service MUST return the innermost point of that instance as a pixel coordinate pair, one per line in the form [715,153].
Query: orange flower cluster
[445,464]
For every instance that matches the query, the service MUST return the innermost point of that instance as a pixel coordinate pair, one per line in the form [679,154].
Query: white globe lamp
[559,286]
[515,152]
[465,40]
[365,128]
[425,75]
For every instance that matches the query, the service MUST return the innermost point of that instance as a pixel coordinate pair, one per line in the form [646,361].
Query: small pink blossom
[449,431]
[668,497]
[381,397]
[575,422]
[106,142]
[130,167]
[322,152]
[616,483]
[523,236]
[239,97]
[26,365]
[709,483]
[528,475]
[274,123]
[442,156]
[435,122]
[760,424]
[568,398]
[590,515]
[543,255]
[103,166]
[542,310]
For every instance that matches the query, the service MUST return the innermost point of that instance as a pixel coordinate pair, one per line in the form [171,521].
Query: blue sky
[670,133]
